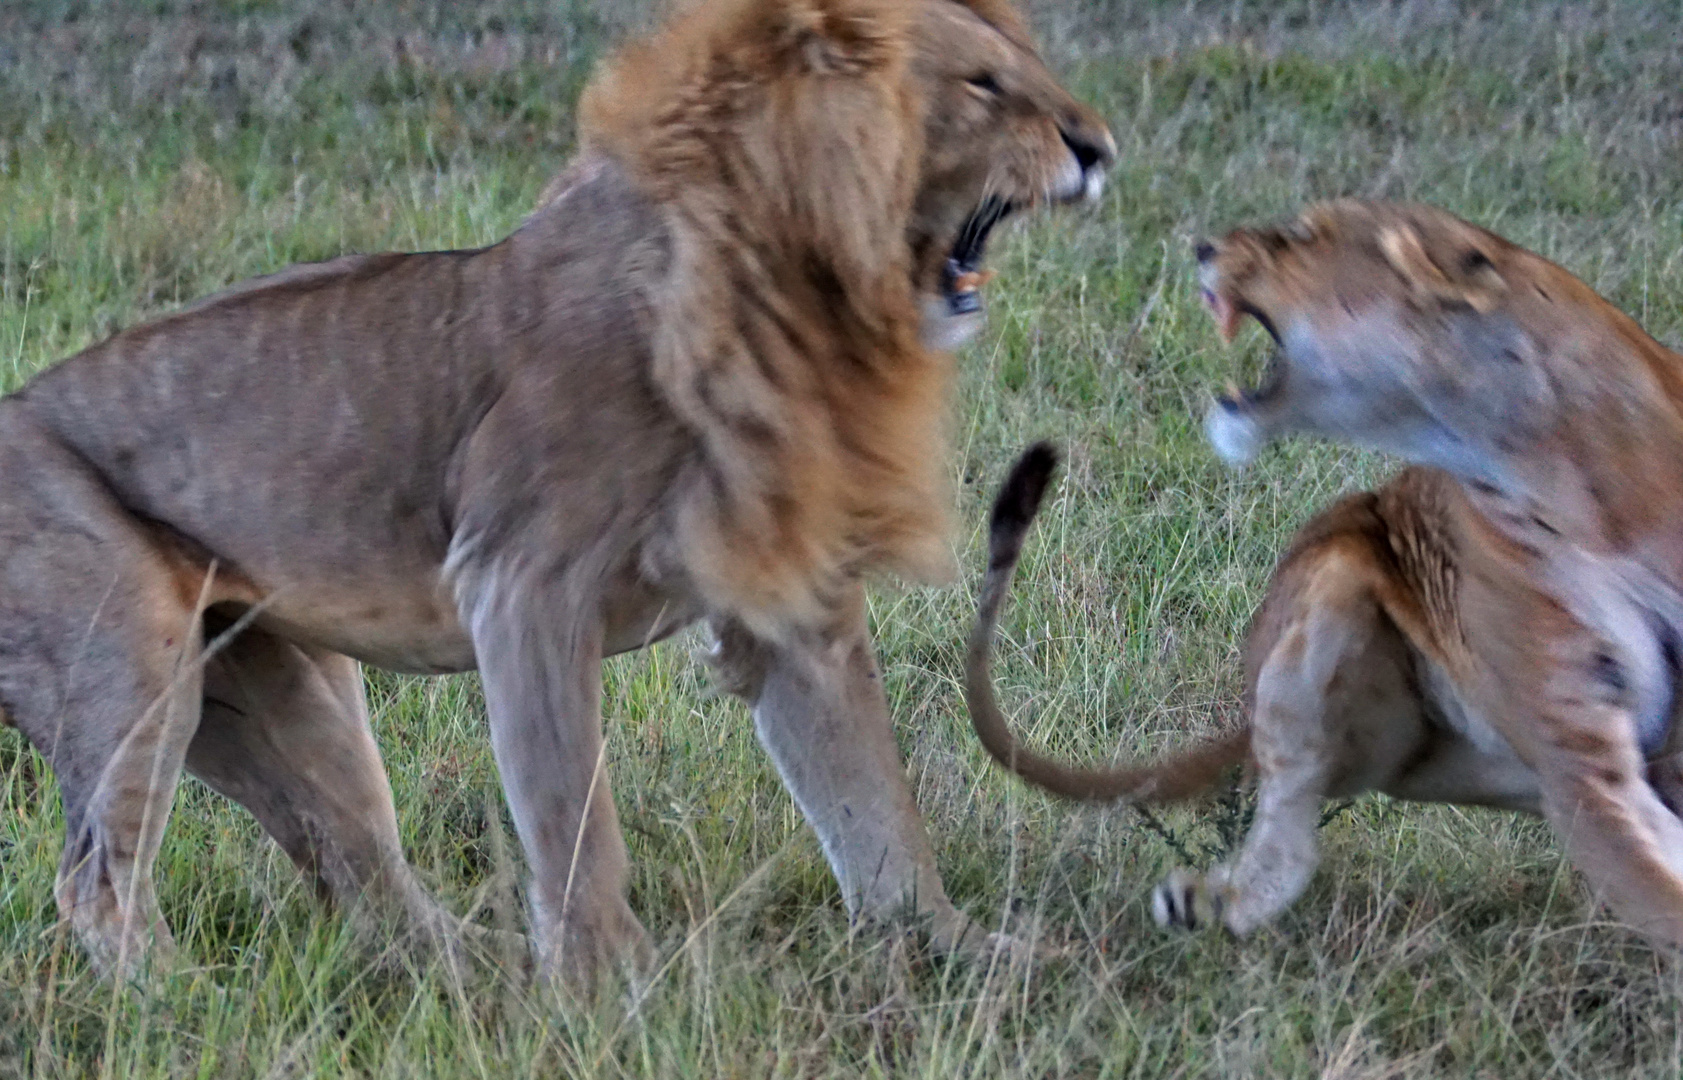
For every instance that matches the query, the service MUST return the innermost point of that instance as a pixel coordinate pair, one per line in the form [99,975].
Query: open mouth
[1230,313]
[962,277]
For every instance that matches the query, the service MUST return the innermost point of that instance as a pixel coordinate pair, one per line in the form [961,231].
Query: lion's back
[324,407]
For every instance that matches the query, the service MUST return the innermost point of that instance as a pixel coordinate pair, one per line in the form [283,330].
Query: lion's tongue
[1227,315]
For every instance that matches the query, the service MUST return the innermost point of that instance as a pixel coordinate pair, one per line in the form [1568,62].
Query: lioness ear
[1483,282]
[1402,248]
[1407,255]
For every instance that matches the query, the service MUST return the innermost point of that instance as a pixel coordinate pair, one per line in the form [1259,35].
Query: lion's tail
[1181,776]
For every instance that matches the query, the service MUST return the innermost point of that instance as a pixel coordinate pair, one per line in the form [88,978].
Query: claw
[1184,901]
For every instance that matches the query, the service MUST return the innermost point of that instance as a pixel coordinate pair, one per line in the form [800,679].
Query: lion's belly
[1647,685]
[411,628]
[1461,714]
[401,628]
[1456,710]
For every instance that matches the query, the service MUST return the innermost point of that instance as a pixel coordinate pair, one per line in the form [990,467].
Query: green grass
[151,153]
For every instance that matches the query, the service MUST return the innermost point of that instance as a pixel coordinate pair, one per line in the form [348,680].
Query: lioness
[1502,629]
[692,385]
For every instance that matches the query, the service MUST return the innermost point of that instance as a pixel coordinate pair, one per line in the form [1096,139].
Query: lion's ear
[840,37]
[1480,279]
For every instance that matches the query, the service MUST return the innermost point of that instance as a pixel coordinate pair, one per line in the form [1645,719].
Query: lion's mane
[783,143]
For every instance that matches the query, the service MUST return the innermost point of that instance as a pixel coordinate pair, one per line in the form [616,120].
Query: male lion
[691,386]
[1502,629]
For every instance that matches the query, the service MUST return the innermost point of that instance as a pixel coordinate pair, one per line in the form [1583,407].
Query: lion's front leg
[540,655]
[820,711]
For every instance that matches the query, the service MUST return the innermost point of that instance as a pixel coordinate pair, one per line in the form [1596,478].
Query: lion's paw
[956,934]
[1185,901]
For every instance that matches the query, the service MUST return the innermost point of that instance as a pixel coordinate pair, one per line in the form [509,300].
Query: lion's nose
[1086,154]
[1205,251]
[1091,149]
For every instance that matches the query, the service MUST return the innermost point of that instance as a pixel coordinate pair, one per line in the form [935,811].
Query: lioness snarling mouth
[692,385]
[1499,628]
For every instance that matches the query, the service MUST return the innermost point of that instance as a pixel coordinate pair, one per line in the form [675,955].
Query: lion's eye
[1474,261]
[985,82]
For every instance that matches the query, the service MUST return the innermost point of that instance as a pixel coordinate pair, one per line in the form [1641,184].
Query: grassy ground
[152,152]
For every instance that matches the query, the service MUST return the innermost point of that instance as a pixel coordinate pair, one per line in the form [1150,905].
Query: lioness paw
[1182,901]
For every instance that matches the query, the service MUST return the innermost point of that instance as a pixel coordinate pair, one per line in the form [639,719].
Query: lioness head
[1405,329]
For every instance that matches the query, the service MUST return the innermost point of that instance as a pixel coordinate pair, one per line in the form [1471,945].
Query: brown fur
[692,385]
[1504,631]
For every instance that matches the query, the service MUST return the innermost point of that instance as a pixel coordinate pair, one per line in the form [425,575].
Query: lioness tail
[1182,776]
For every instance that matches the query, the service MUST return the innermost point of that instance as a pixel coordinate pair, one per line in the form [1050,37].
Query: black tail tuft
[1018,501]
[1183,776]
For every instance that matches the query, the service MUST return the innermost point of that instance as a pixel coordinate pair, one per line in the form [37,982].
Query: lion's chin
[947,329]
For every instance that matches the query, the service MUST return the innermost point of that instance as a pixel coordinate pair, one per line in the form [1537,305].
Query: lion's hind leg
[117,759]
[285,733]
[99,648]
[1333,712]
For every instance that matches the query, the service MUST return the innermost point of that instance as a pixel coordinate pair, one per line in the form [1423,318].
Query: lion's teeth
[1227,314]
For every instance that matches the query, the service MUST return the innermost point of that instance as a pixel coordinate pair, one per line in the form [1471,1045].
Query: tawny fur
[1504,631]
[1373,663]
[690,386]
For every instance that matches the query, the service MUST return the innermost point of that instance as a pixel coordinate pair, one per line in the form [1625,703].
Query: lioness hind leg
[117,769]
[285,733]
[1334,711]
